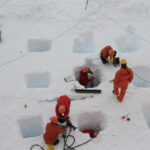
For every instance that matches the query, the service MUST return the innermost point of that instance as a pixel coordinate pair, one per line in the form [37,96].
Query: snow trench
[92,120]
[38,80]
[141,76]
[84,43]
[39,45]
[31,126]
[128,42]
[94,67]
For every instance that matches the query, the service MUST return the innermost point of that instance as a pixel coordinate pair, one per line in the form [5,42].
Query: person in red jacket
[62,111]
[62,108]
[123,77]
[92,133]
[107,54]
[52,130]
[87,78]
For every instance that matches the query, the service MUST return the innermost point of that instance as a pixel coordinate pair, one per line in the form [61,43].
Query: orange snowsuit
[105,52]
[52,131]
[123,77]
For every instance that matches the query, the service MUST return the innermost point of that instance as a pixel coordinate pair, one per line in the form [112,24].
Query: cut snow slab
[146,112]
[31,126]
[39,45]
[84,43]
[141,76]
[37,80]
[128,43]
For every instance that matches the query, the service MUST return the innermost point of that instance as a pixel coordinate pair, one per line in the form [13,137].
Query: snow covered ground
[44,41]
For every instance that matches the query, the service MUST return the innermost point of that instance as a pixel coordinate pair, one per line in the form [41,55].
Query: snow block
[128,42]
[146,112]
[84,44]
[39,45]
[38,80]
[141,76]
[31,126]
[92,120]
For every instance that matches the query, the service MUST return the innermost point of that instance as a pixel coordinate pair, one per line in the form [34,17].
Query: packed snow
[45,41]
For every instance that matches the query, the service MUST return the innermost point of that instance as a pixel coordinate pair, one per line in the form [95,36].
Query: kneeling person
[87,78]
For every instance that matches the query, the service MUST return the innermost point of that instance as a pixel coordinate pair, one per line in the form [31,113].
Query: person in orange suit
[107,54]
[52,130]
[123,77]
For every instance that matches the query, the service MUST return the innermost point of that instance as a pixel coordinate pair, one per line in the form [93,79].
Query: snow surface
[66,37]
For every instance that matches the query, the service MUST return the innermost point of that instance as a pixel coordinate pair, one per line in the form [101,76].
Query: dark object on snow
[116,61]
[128,119]
[70,124]
[88,91]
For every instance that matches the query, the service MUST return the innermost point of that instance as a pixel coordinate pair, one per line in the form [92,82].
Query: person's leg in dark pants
[56,142]
[104,61]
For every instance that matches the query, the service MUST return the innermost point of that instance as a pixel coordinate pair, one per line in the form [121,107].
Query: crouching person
[52,131]
[87,78]
[107,54]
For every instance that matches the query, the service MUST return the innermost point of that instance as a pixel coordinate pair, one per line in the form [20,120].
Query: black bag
[116,61]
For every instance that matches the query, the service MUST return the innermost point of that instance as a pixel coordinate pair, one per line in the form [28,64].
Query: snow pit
[141,77]
[84,43]
[128,42]
[146,112]
[39,45]
[93,67]
[92,120]
[37,80]
[31,126]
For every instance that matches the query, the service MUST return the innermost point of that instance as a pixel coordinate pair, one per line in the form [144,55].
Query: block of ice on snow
[128,42]
[39,45]
[37,80]
[141,79]
[146,112]
[84,44]
[31,126]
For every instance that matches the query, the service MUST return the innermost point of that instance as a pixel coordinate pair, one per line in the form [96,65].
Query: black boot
[56,142]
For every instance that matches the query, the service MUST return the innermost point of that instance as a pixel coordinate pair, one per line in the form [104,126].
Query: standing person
[123,77]
[87,78]
[51,132]
[62,110]
[107,54]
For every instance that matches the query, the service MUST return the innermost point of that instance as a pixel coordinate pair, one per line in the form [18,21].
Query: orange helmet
[111,52]
[54,119]
[85,69]
[62,109]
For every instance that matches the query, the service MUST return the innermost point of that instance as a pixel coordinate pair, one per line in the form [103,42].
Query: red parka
[52,131]
[63,100]
[84,77]
[123,77]
[105,52]
[89,131]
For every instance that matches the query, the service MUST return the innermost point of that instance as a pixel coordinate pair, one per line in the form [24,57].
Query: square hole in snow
[39,45]
[31,126]
[37,80]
